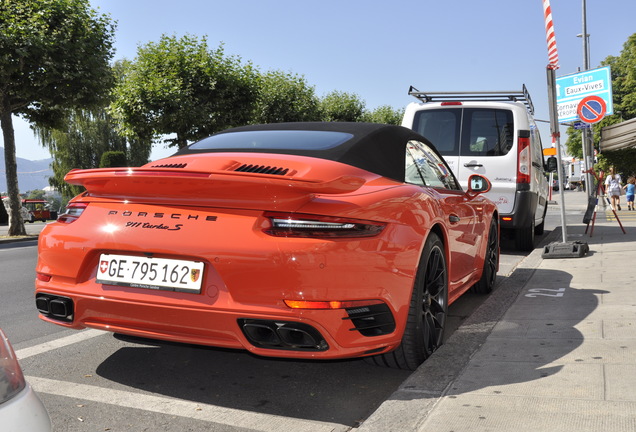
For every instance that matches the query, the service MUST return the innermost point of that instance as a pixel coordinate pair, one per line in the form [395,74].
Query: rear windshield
[273,140]
[467,131]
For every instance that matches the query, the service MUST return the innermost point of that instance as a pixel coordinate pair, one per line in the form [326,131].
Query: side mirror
[478,184]
[551,164]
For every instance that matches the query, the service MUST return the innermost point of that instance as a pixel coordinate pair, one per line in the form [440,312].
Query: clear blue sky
[377,49]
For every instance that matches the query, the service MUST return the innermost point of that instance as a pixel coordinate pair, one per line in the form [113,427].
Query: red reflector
[43,277]
[451,103]
[303,304]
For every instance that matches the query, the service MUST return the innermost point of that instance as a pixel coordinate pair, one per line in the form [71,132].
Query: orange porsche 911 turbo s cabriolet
[297,240]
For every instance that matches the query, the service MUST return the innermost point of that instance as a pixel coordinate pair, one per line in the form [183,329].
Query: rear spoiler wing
[494,96]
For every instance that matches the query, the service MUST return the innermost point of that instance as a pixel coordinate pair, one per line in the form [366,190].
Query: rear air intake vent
[262,169]
[174,165]
[373,320]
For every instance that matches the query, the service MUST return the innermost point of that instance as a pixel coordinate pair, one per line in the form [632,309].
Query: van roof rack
[493,96]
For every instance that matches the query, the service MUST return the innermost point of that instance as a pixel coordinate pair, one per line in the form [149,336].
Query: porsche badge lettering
[158,215]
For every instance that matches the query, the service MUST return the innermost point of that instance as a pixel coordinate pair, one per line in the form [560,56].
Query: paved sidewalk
[553,348]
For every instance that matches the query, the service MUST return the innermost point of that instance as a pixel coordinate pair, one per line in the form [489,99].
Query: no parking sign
[591,109]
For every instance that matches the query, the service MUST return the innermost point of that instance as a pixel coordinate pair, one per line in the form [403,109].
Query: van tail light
[451,103]
[524,160]
[313,226]
[73,212]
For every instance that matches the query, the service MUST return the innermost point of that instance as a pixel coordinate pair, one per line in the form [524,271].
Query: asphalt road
[91,381]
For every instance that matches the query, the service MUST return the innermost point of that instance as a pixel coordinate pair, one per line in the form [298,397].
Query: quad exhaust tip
[55,307]
[285,335]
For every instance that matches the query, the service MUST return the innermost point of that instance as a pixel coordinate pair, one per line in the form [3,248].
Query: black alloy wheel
[424,331]
[491,262]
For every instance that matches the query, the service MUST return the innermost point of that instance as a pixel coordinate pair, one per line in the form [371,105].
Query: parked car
[493,134]
[300,240]
[20,407]
[38,210]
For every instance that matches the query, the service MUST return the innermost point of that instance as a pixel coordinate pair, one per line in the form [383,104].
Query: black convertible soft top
[378,148]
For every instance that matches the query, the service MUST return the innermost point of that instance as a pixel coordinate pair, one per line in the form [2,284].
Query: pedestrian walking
[613,188]
[630,187]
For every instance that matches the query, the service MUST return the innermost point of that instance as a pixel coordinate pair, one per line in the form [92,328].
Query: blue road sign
[571,89]
[581,125]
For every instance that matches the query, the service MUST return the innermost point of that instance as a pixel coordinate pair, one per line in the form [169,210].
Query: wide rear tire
[491,262]
[424,331]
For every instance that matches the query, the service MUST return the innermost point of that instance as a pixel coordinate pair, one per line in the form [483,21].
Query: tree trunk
[16,224]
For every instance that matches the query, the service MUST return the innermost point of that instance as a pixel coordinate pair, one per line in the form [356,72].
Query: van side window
[487,132]
[441,127]
[425,168]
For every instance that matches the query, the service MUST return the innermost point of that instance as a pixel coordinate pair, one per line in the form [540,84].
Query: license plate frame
[164,274]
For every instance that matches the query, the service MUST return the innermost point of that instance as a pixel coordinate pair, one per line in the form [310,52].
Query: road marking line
[177,407]
[58,343]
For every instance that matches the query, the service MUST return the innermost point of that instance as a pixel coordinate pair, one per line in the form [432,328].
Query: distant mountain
[32,175]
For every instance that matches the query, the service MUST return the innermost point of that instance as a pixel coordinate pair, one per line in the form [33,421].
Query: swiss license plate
[150,273]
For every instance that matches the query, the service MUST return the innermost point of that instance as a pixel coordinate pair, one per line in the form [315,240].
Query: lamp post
[587,138]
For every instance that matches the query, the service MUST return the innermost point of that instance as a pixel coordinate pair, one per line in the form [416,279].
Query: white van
[492,134]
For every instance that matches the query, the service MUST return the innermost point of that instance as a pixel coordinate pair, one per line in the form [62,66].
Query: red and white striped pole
[553,54]
[553,58]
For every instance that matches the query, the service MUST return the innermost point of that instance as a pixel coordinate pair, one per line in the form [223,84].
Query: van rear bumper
[523,212]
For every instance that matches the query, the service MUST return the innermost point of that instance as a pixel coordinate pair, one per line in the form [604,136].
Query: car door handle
[473,165]
[453,219]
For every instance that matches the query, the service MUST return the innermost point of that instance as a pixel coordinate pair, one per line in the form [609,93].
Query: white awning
[619,136]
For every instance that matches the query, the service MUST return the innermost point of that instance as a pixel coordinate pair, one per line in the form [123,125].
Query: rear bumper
[333,330]
[523,212]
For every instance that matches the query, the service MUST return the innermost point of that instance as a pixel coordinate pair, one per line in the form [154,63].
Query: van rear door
[486,145]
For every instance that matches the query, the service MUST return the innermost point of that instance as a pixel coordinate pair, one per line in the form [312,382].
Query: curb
[18,239]
[409,406]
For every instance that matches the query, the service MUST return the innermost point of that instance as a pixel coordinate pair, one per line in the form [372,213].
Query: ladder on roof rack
[494,96]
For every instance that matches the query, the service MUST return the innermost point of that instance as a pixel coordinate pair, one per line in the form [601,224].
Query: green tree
[285,97]
[36,194]
[340,106]
[54,55]
[81,142]
[384,114]
[179,87]
[111,159]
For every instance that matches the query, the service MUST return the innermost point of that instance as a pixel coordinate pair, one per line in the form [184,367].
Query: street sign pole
[554,129]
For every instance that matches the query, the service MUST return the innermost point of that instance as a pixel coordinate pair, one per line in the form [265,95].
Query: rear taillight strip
[72,213]
[313,226]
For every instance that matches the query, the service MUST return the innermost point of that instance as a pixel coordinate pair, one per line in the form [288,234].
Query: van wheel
[426,320]
[524,238]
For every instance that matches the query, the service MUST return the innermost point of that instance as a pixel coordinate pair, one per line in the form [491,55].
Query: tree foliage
[285,97]
[54,55]
[384,114]
[180,86]
[341,106]
[112,159]
[81,143]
